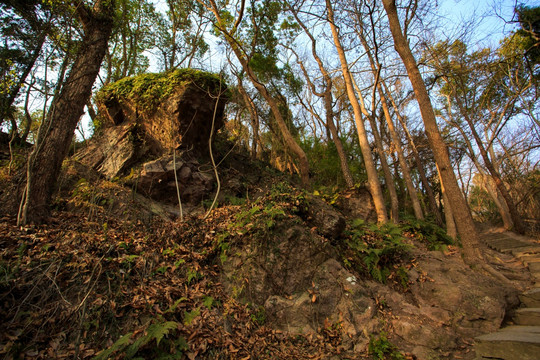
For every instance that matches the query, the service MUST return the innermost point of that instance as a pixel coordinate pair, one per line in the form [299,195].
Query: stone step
[530,258]
[511,343]
[526,250]
[530,298]
[506,244]
[527,317]
[534,266]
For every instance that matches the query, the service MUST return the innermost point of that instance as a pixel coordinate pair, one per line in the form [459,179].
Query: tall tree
[461,212]
[24,28]
[373,180]
[326,95]
[57,131]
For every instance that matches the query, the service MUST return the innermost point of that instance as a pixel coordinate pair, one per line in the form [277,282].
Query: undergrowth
[374,249]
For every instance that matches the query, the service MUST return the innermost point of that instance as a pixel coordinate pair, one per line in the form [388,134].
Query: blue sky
[494,14]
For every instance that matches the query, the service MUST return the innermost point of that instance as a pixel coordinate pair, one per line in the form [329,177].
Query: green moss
[147,90]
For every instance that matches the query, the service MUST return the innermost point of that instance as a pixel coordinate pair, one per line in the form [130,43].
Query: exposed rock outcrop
[148,116]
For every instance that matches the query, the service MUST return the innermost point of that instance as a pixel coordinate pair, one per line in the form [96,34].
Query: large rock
[295,276]
[149,115]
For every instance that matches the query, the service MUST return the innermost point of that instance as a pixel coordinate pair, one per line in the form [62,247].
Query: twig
[212,155]
[177,187]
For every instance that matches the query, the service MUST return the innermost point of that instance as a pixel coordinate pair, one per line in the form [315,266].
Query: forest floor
[103,281]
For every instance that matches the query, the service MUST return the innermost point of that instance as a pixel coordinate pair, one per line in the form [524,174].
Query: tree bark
[395,139]
[463,218]
[373,180]
[57,131]
[447,210]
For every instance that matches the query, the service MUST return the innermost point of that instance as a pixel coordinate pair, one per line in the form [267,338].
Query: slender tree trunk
[373,180]
[418,160]
[8,101]
[489,185]
[447,210]
[463,218]
[390,185]
[335,136]
[328,100]
[57,131]
[516,218]
[254,117]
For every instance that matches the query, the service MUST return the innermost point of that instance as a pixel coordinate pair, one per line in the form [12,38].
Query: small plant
[193,275]
[432,235]
[378,247]
[382,349]
[259,315]
[156,331]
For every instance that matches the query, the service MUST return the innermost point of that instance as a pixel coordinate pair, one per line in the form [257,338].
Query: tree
[57,131]
[262,57]
[326,95]
[482,89]
[529,21]
[373,180]
[461,212]
[24,28]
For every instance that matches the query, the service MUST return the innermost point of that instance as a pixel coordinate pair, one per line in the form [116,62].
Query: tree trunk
[254,117]
[57,131]
[448,213]
[516,218]
[419,165]
[373,180]
[390,185]
[327,97]
[335,136]
[462,215]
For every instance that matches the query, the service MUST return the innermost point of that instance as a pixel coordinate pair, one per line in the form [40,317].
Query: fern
[153,332]
[120,344]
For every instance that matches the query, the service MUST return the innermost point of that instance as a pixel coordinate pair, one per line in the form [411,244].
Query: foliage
[147,90]
[324,161]
[376,249]
[156,331]
[428,232]
[382,349]
[529,20]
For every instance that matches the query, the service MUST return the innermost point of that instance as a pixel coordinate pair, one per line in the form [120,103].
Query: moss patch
[147,90]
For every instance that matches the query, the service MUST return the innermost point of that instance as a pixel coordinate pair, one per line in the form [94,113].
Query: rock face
[296,278]
[149,115]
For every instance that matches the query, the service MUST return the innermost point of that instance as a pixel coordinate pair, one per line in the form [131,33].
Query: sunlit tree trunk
[373,180]
[327,97]
[462,214]
[56,133]
[516,218]
[395,139]
[447,209]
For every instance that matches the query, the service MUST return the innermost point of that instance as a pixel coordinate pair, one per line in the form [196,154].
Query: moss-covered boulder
[146,116]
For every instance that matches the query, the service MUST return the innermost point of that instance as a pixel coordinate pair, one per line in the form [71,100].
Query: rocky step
[530,298]
[511,343]
[525,251]
[505,244]
[527,316]
[530,258]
